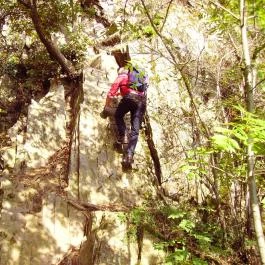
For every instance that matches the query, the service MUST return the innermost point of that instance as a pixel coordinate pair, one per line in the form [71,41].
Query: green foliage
[138,31]
[190,169]
[257,8]
[39,66]
[224,21]
[178,257]
[148,31]
[220,19]
[166,244]
[175,213]
[11,65]
[158,19]
[91,11]
[21,45]
[236,135]
[74,50]
[112,29]
[141,28]
[138,217]
[181,231]
[225,143]
[197,261]
[187,225]
[56,14]
[183,228]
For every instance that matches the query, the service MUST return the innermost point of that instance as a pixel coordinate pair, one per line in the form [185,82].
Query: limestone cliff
[63,190]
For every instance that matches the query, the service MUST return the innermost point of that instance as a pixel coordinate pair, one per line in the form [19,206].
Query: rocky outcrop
[47,220]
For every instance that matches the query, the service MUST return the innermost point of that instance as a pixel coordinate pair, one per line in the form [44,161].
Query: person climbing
[132,85]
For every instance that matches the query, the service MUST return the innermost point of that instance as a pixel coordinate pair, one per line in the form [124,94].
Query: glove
[107,109]
[104,114]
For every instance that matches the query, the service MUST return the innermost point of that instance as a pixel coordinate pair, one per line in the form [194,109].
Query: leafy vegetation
[180,233]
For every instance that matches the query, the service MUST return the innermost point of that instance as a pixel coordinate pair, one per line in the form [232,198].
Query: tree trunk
[51,47]
[248,76]
[72,13]
[153,151]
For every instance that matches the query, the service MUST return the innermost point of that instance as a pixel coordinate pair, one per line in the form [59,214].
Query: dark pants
[136,105]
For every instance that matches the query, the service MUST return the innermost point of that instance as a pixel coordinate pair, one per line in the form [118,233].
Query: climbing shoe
[103,114]
[118,147]
[127,161]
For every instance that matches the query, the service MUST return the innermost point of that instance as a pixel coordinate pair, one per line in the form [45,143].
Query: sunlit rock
[46,127]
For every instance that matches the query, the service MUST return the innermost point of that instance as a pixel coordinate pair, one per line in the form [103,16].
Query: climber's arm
[114,89]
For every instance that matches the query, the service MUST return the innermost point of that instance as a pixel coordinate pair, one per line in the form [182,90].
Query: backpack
[138,80]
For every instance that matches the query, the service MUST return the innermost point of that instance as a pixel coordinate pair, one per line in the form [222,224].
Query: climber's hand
[104,114]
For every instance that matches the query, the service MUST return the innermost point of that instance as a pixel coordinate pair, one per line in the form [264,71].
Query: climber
[133,92]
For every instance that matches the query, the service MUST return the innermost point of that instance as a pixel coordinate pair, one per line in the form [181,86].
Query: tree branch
[152,148]
[225,9]
[184,77]
[261,81]
[167,12]
[234,45]
[99,14]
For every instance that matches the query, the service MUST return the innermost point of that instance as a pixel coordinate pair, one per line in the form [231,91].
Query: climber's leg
[138,107]
[136,120]
[122,109]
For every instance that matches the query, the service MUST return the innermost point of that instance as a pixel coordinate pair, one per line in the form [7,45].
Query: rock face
[35,225]
[46,125]
[45,222]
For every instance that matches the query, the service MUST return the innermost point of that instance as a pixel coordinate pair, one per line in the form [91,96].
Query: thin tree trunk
[174,56]
[72,13]
[153,150]
[248,75]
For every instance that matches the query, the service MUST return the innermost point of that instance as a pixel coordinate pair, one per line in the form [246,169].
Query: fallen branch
[85,206]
